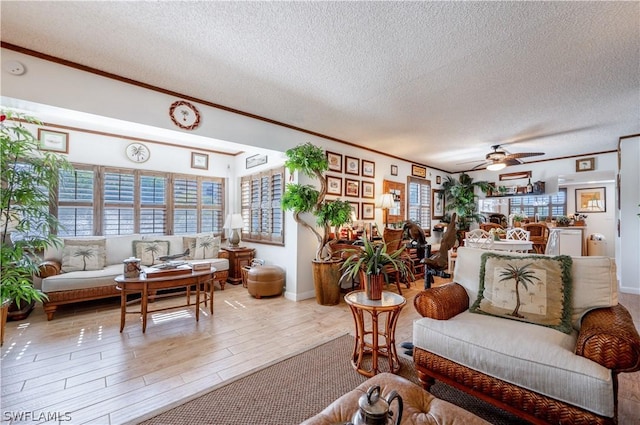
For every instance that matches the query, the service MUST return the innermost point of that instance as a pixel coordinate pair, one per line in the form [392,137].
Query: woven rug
[299,387]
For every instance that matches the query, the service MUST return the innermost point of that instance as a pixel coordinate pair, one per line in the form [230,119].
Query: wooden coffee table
[374,341]
[148,286]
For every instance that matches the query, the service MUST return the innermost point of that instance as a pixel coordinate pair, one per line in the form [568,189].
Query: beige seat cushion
[530,356]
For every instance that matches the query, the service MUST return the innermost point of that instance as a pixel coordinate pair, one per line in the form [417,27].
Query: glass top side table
[372,341]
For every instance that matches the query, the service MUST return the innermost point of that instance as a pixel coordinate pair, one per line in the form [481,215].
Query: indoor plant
[518,219]
[29,176]
[461,198]
[311,161]
[372,263]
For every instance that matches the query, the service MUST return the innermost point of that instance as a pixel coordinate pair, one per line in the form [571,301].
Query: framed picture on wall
[592,200]
[394,170]
[437,203]
[418,171]
[334,185]
[585,164]
[368,211]
[55,141]
[368,189]
[368,168]
[352,188]
[335,162]
[199,160]
[355,210]
[351,165]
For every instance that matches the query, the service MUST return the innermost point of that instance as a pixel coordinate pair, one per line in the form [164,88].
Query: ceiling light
[496,166]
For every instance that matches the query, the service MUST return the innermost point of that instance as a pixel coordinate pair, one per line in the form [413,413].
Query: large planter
[373,285]
[3,319]
[326,279]
[20,311]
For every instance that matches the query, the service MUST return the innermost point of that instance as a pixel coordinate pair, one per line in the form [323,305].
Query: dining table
[500,245]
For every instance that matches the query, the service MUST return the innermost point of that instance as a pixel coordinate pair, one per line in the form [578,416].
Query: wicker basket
[245,273]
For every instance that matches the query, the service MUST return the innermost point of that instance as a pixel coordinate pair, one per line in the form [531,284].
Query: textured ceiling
[432,82]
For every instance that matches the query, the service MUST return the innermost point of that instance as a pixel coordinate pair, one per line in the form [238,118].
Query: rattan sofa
[78,286]
[505,369]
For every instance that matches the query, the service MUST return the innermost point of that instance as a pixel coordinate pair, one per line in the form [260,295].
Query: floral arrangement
[496,233]
[578,217]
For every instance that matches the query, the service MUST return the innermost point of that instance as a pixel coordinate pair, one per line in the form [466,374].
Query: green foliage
[312,161]
[374,259]
[461,198]
[306,158]
[28,177]
[299,198]
[336,213]
[563,220]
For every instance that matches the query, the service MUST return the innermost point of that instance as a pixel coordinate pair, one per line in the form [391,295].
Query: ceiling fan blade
[524,154]
[471,162]
[483,165]
[512,161]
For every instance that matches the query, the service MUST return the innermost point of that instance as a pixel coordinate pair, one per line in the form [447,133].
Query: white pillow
[83,255]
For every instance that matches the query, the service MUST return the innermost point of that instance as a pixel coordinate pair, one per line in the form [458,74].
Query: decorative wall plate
[137,152]
[184,115]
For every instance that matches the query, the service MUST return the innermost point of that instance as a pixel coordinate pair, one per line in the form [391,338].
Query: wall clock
[184,115]
[137,152]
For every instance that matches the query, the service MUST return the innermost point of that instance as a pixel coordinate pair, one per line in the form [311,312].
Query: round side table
[372,340]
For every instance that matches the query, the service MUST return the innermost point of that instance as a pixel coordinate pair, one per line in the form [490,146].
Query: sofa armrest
[442,302]
[223,254]
[608,337]
[49,268]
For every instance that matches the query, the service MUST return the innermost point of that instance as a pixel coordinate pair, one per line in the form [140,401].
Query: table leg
[123,307]
[210,283]
[198,284]
[376,348]
[143,306]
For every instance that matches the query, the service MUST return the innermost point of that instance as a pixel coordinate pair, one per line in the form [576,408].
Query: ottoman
[265,281]
[420,407]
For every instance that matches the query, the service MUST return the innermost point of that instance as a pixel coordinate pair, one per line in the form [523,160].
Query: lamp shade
[386,201]
[234,221]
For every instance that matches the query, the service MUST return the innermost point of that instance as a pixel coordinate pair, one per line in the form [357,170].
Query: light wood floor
[80,365]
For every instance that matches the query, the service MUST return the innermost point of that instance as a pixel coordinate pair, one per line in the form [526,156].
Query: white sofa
[539,373]
[63,287]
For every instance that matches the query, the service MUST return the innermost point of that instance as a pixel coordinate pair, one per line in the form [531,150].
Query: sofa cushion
[148,251]
[175,242]
[82,279]
[83,254]
[202,246]
[534,357]
[595,283]
[541,294]
[120,247]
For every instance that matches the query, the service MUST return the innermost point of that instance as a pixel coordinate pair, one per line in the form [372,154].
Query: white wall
[629,242]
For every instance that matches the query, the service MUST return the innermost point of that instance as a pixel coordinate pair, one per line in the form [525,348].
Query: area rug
[299,387]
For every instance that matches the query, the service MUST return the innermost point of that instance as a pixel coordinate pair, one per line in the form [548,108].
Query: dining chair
[538,234]
[479,238]
[518,234]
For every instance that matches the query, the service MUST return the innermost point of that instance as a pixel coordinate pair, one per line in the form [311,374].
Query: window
[261,196]
[540,206]
[419,202]
[76,202]
[137,201]
[198,205]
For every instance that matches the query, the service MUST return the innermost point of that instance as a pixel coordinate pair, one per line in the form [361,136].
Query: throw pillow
[83,255]
[528,288]
[202,247]
[149,251]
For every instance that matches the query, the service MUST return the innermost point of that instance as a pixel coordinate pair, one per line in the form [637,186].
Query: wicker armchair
[607,336]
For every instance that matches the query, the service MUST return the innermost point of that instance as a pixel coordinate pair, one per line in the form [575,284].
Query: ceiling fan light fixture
[497,166]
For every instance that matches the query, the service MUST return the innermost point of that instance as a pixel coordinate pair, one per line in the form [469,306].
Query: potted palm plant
[372,264]
[311,161]
[29,176]
[461,198]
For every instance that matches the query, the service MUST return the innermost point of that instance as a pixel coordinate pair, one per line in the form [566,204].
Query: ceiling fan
[499,158]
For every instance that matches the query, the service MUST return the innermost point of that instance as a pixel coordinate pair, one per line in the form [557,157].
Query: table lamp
[386,202]
[233,223]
